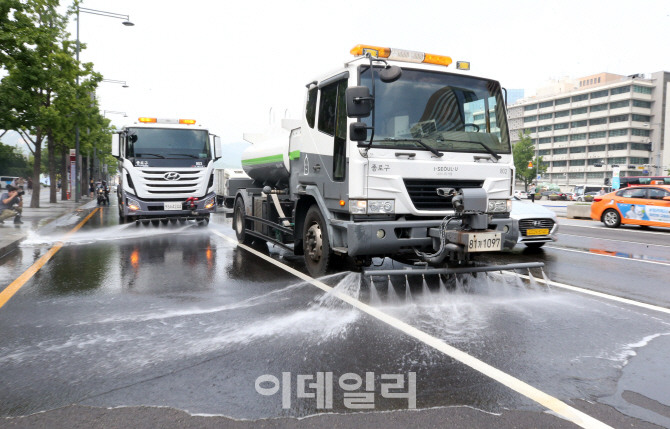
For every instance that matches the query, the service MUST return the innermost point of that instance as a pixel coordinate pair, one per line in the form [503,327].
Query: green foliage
[12,162]
[39,93]
[524,152]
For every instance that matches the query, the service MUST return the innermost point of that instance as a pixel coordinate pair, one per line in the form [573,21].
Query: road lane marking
[621,258]
[559,407]
[14,287]
[611,239]
[594,293]
[604,228]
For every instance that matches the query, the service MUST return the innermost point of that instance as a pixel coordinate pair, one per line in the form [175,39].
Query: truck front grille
[189,181]
[526,224]
[423,192]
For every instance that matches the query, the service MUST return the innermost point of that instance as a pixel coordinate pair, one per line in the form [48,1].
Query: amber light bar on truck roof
[145,120]
[394,54]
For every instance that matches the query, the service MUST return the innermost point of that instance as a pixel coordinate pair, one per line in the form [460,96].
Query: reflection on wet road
[179,317]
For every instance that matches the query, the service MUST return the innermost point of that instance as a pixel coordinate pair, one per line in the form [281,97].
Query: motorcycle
[103,197]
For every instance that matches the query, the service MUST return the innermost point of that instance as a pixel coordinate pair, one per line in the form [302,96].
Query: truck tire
[239,223]
[319,256]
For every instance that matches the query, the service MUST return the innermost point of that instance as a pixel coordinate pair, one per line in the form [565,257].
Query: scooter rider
[11,205]
[105,190]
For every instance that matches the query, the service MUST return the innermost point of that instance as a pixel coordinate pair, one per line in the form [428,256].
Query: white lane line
[559,407]
[604,228]
[621,258]
[611,239]
[594,293]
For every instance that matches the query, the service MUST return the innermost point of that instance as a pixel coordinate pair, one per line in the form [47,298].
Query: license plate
[172,206]
[537,232]
[485,242]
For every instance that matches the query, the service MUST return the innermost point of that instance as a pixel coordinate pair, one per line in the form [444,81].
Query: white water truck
[166,170]
[394,157]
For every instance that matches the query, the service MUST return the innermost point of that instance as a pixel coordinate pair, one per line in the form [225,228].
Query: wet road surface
[180,317]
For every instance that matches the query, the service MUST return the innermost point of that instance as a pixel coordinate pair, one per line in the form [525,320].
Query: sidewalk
[34,219]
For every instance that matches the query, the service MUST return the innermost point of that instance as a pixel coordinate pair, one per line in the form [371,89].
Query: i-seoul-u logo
[172,175]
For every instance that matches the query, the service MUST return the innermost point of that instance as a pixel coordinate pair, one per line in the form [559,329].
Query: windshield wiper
[185,154]
[427,146]
[488,149]
[152,154]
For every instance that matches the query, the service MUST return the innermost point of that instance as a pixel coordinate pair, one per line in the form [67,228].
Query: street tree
[524,153]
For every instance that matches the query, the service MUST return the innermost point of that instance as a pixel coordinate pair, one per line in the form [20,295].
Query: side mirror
[116,145]
[666,198]
[218,152]
[359,102]
[358,132]
[390,74]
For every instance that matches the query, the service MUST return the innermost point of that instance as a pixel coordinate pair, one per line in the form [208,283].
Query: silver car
[536,224]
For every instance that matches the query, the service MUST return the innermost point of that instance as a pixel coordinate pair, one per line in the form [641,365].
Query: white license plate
[172,206]
[485,242]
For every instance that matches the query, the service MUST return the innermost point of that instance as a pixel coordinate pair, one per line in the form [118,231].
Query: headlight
[499,206]
[358,206]
[209,203]
[381,206]
[132,204]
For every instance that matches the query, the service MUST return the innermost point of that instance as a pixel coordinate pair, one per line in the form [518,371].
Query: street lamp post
[127,23]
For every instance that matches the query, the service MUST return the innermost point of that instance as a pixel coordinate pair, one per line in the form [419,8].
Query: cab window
[658,194]
[634,193]
[327,109]
[310,108]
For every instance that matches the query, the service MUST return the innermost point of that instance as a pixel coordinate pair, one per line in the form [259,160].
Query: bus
[644,180]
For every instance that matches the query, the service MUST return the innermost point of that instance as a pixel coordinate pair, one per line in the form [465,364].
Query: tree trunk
[84,176]
[37,185]
[63,171]
[51,147]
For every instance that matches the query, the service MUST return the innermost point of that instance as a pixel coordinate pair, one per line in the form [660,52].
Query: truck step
[341,250]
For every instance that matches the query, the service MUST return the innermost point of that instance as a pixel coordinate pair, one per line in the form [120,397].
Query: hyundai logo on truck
[172,175]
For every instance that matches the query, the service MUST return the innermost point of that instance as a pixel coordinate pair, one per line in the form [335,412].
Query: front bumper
[403,236]
[155,208]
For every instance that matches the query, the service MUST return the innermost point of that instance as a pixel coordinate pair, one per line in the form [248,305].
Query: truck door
[331,139]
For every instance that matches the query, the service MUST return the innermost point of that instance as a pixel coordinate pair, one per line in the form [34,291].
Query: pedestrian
[11,205]
[21,183]
[91,189]
[30,186]
[58,185]
[602,191]
[532,192]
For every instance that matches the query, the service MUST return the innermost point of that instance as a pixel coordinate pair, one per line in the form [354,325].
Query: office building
[602,119]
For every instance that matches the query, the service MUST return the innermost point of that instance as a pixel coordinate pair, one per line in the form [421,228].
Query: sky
[227,63]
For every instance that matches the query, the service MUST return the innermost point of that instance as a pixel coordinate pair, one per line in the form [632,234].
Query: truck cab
[166,170]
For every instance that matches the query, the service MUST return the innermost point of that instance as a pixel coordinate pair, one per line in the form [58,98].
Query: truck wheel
[319,255]
[611,218]
[240,223]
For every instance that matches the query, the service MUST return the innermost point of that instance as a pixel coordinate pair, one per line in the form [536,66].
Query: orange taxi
[637,205]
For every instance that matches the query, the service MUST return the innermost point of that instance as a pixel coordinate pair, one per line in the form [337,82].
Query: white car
[536,224]
[522,195]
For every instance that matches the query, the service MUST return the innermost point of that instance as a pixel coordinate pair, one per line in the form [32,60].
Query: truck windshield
[449,112]
[167,143]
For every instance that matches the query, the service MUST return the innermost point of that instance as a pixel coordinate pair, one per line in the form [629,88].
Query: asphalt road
[173,326]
